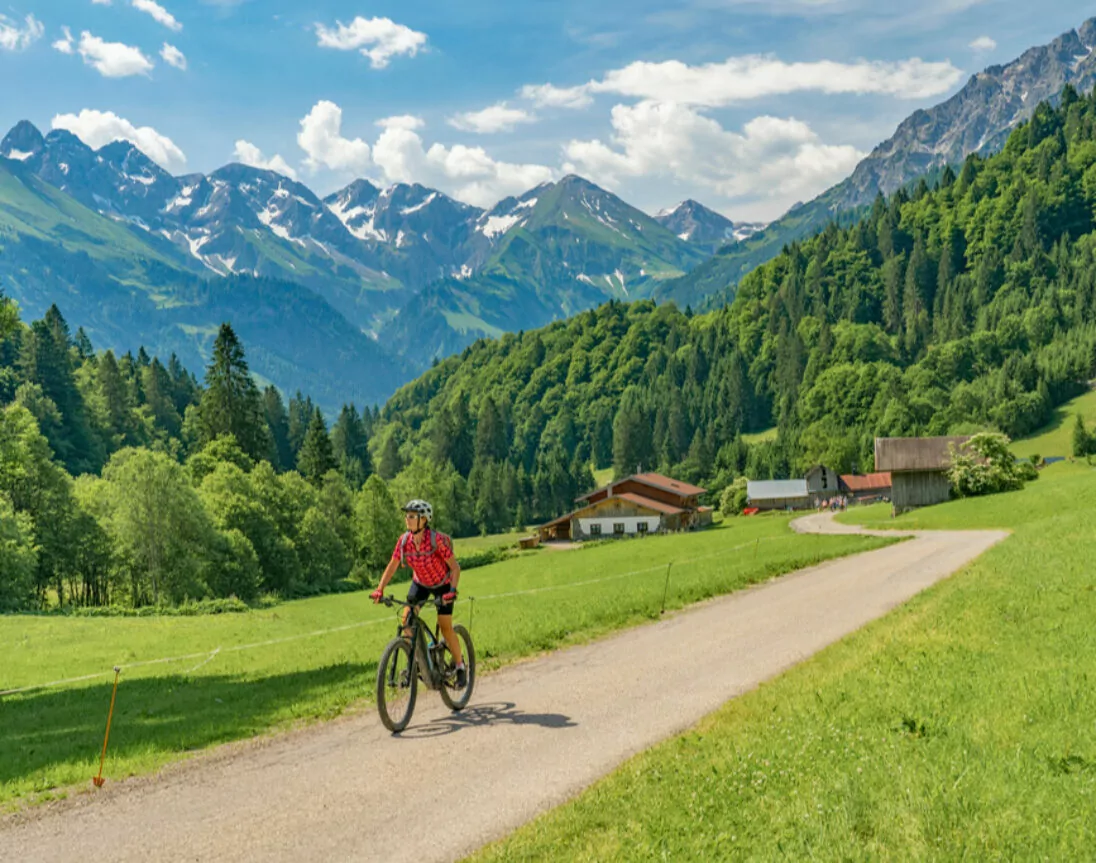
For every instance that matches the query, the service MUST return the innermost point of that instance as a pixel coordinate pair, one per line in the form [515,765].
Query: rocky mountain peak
[23,141]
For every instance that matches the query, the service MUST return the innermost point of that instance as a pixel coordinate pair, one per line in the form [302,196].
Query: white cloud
[113,59]
[158,12]
[101,2]
[740,79]
[983,43]
[379,39]
[494,118]
[99,128]
[248,154]
[549,96]
[16,38]
[173,56]
[64,45]
[781,160]
[469,174]
[321,138]
[401,121]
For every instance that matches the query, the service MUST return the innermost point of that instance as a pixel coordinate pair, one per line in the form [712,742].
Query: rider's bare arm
[454,571]
[386,576]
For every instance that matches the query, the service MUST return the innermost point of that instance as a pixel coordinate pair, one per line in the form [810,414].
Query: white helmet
[421,507]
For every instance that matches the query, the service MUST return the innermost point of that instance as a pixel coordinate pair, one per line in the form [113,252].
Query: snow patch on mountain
[425,202]
[496,225]
[19,155]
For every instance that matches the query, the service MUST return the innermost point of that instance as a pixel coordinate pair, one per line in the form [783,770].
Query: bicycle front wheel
[397,685]
[454,698]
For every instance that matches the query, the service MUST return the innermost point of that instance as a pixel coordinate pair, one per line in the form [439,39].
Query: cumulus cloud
[983,43]
[379,39]
[112,59]
[402,121]
[772,158]
[248,154]
[173,56]
[469,174]
[151,7]
[64,45]
[16,38]
[741,79]
[494,118]
[321,138]
[99,128]
[549,96]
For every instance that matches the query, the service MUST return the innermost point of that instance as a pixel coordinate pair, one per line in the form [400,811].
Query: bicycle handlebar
[391,600]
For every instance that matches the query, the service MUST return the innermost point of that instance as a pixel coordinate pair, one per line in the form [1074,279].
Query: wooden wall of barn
[918,488]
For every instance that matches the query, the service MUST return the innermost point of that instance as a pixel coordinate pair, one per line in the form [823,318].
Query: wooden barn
[918,467]
[639,504]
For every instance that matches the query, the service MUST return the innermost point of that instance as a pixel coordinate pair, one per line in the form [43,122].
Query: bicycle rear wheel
[397,685]
[457,699]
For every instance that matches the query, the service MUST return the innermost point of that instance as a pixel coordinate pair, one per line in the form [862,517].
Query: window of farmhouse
[618,527]
[642,527]
[595,530]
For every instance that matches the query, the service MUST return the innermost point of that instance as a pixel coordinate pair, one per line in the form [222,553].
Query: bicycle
[422,656]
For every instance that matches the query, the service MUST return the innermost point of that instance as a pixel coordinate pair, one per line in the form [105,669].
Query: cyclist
[435,572]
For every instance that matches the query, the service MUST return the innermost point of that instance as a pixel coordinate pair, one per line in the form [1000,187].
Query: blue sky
[746,106]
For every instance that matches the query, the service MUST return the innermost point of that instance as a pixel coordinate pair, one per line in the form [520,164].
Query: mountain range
[138,256]
[977,119]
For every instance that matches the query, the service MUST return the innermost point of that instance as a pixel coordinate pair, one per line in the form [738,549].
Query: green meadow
[1056,438]
[962,726]
[192,682]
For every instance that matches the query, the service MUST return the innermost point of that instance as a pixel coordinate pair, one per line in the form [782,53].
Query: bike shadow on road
[500,713]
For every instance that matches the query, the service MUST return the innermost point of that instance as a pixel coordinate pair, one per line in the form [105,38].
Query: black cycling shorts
[418,595]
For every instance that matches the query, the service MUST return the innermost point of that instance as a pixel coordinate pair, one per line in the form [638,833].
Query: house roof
[656,505]
[774,489]
[868,482]
[915,453]
[556,521]
[655,480]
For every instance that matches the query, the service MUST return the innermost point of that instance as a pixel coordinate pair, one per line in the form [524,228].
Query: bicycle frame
[420,650]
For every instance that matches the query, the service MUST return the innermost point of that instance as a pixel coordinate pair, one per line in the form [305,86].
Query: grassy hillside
[952,729]
[1056,438]
[315,658]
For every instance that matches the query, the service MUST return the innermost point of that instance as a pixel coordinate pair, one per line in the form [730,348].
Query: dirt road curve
[536,733]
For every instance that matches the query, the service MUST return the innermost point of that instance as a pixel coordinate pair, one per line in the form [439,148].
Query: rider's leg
[404,614]
[445,623]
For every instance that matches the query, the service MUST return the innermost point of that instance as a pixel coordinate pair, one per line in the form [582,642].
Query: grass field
[760,437]
[1057,437]
[960,727]
[464,545]
[246,674]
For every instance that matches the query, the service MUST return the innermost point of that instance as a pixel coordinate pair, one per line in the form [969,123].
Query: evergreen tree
[300,415]
[277,421]
[350,446]
[316,457]
[83,345]
[390,463]
[231,403]
[490,441]
[1082,440]
[159,395]
[631,435]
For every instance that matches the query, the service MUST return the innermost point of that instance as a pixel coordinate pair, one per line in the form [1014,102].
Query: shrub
[984,465]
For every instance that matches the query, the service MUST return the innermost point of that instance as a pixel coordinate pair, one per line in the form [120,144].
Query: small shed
[822,482]
[772,494]
[866,487]
[918,467]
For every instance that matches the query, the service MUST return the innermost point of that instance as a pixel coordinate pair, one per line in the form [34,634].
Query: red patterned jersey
[429,560]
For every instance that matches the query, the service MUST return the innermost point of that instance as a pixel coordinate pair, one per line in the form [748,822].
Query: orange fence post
[98,780]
